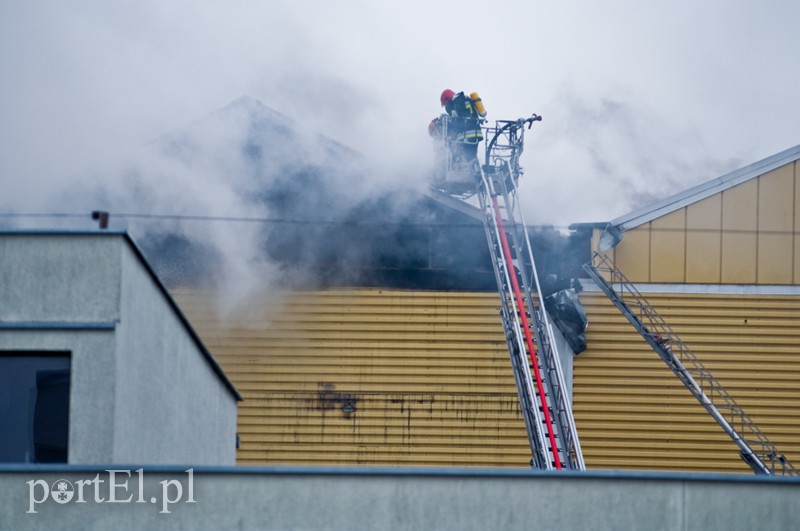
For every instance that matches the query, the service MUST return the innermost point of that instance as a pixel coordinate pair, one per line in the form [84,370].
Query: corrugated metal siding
[746,234]
[372,377]
[632,412]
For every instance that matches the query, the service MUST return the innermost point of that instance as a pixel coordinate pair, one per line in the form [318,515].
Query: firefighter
[436,127]
[464,123]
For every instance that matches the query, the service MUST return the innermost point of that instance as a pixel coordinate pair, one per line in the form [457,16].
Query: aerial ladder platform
[754,447]
[543,396]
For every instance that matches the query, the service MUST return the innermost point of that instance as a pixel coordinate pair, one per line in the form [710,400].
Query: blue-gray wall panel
[439,499]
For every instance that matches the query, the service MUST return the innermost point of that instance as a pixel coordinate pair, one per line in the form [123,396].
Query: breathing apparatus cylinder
[478,103]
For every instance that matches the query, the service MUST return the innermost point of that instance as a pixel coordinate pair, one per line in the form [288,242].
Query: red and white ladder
[544,399]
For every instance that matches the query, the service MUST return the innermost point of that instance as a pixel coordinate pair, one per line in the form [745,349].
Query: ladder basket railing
[755,448]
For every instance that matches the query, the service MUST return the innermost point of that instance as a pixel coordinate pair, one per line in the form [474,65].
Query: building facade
[720,263]
[382,376]
[99,366]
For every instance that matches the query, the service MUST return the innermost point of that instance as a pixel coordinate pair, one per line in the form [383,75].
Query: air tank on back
[478,103]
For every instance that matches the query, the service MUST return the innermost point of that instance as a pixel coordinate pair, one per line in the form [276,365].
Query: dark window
[34,407]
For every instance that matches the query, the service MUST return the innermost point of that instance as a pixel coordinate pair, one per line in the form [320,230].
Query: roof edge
[215,366]
[706,189]
[455,204]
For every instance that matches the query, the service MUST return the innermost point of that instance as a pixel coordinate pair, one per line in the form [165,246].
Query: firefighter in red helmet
[463,123]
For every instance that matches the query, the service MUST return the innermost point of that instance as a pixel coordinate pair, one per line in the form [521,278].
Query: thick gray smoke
[601,157]
[241,199]
[247,199]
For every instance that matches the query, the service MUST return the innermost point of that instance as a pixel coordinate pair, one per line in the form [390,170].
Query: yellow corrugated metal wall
[632,412]
[747,234]
[377,377]
[368,377]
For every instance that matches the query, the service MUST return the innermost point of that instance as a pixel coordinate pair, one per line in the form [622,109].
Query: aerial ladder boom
[754,447]
[543,395]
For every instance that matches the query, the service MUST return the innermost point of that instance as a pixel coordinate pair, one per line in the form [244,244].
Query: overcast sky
[639,99]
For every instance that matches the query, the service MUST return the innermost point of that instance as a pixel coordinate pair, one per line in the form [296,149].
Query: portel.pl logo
[113,489]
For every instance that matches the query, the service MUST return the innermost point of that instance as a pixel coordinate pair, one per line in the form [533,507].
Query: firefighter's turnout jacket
[464,124]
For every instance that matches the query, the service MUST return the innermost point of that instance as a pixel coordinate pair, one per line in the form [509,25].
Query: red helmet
[447,96]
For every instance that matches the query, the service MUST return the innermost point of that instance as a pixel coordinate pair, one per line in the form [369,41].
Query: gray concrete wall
[91,405]
[56,294]
[141,389]
[372,499]
[50,277]
[171,405]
